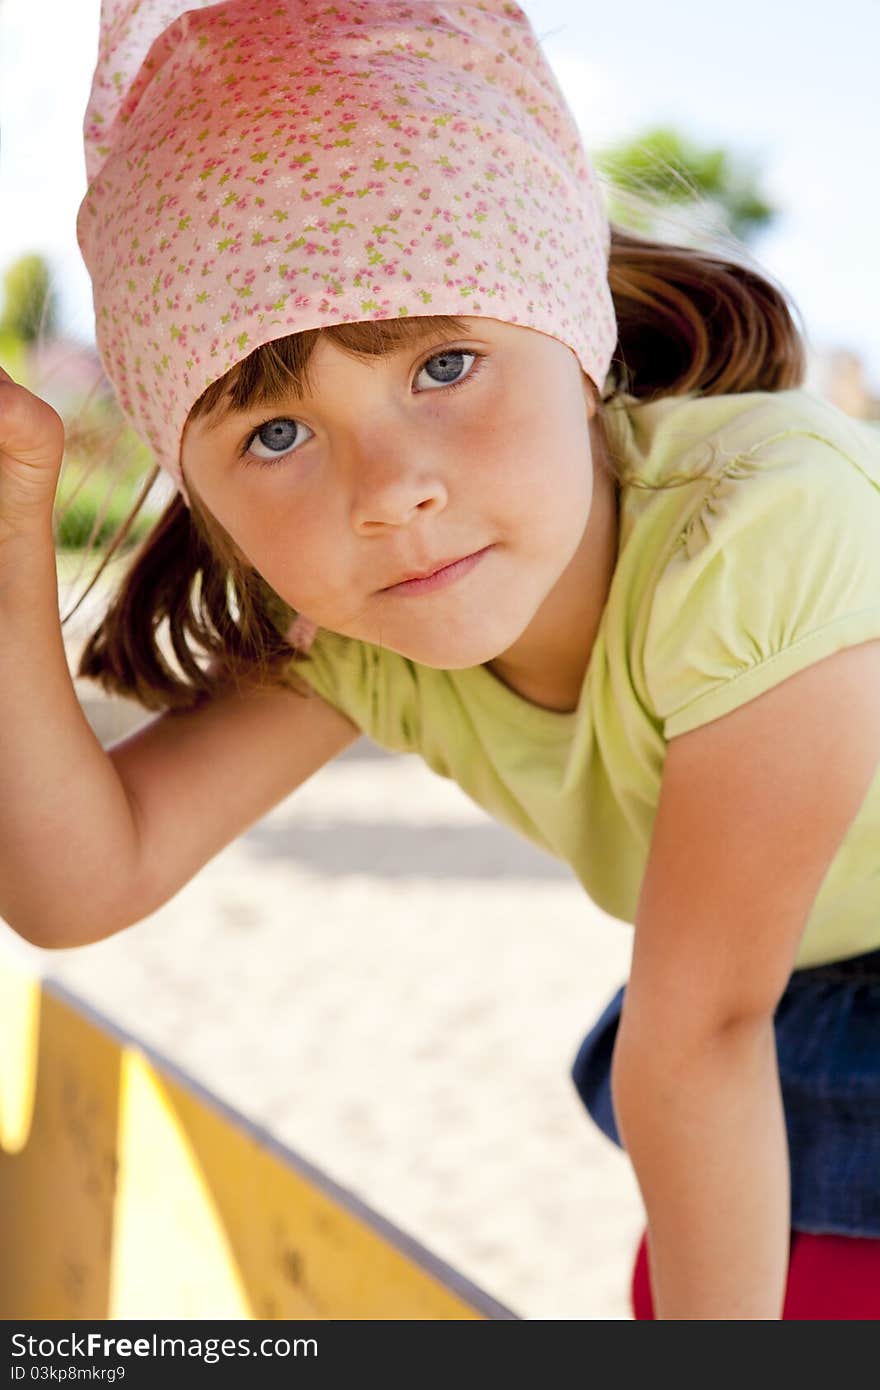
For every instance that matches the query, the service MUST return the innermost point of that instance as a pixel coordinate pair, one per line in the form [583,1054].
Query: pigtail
[187,598]
[692,320]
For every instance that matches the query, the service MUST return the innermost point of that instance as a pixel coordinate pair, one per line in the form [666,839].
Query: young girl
[464,468]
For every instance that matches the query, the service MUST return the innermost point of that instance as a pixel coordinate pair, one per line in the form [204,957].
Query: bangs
[281,367]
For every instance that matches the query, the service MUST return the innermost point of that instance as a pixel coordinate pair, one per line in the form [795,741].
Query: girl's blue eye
[277,438]
[274,439]
[448,366]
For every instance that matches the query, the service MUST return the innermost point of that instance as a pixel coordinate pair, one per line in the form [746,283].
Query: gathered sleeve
[778,567]
[376,688]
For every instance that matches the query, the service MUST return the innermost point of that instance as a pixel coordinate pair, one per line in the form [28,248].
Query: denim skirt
[827,1029]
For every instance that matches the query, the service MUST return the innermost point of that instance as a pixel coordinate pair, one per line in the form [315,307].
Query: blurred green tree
[29,301]
[714,191]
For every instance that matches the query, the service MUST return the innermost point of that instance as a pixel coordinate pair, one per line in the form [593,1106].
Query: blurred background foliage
[711,192]
[29,302]
[105,463]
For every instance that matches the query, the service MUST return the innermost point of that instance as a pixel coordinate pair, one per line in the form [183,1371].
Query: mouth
[443,573]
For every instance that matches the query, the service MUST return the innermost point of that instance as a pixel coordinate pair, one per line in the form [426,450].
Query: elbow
[65,933]
[33,935]
[662,1030]
[50,941]
[656,1068]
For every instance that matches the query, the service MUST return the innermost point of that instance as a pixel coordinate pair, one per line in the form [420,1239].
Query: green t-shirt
[723,587]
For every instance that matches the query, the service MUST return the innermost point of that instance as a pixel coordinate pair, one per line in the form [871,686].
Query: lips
[441,574]
[433,569]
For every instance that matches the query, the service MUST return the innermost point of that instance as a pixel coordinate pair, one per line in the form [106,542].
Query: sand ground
[396,987]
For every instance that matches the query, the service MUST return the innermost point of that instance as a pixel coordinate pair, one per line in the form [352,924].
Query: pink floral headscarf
[259,167]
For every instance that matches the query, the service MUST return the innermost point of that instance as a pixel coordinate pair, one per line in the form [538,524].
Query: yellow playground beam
[128,1191]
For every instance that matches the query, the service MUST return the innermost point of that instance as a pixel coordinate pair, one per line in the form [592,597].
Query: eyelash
[254,460]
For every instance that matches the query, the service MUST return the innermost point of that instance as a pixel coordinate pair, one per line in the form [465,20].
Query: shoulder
[698,468]
[771,558]
[774,465]
[694,434]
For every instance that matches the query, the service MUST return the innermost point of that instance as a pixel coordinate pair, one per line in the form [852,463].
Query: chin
[444,652]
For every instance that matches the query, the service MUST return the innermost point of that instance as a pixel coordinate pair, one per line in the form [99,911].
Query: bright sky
[790,86]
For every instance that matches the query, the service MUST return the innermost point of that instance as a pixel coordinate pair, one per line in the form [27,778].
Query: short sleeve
[778,567]
[375,688]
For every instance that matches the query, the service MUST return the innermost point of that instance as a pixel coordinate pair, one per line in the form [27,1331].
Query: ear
[591,394]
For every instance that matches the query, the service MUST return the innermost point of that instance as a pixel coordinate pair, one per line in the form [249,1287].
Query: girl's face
[392,466]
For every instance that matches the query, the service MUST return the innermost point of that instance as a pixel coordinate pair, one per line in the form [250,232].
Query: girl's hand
[31,448]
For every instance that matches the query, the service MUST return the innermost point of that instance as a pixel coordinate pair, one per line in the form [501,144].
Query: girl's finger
[31,432]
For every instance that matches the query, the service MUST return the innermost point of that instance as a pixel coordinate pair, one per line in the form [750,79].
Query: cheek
[302,557]
[542,471]
[269,525]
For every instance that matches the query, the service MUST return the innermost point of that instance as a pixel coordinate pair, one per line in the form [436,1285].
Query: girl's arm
[92,841]
[66,828]
[753,809]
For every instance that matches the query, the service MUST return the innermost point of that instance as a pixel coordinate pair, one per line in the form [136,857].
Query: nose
[389,488]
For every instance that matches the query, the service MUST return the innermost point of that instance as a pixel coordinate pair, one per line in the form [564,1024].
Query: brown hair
[688,321]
